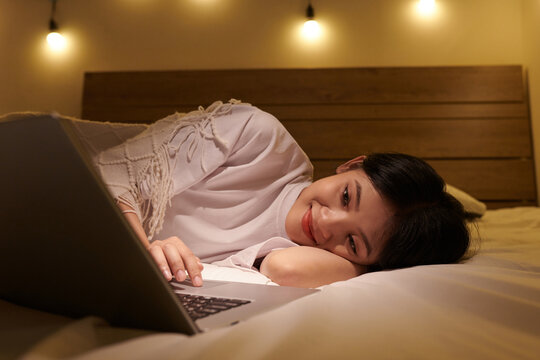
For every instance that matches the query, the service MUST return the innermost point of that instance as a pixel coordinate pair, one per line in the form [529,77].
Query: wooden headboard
[470,123]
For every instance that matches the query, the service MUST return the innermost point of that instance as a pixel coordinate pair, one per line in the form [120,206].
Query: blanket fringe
[156,172]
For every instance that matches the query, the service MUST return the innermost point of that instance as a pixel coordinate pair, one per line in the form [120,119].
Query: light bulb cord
[310,13]
[53,26]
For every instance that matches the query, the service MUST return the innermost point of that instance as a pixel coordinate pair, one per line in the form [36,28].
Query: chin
[299,240]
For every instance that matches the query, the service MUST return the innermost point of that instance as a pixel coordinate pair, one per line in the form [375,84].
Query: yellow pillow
[472,206]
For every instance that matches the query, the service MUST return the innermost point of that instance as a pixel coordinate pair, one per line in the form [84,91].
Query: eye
[352,244]
[346,196]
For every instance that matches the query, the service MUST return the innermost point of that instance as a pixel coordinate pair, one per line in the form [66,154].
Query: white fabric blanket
[487,308]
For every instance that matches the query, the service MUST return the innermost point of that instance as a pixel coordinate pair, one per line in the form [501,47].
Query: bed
[471,123]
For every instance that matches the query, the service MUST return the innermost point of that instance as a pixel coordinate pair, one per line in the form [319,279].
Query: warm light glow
[56,41]
[426,7]
[311,30]
[312,41]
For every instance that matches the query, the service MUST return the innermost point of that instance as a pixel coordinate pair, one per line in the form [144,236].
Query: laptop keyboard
[199,306]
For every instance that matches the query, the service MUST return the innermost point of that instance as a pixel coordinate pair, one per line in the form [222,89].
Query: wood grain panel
[130,114]
[490,179]
[398,111]
[307,86]
[147,114]
[423,138]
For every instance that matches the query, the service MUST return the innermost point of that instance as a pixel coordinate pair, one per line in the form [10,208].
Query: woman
[230,184]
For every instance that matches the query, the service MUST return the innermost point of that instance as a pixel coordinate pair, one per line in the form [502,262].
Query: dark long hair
[428,225]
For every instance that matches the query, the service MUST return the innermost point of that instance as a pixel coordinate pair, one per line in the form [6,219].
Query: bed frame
[471,123]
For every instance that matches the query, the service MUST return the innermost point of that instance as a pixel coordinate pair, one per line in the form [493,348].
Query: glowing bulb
[311,29]
[426,7]
[56,41]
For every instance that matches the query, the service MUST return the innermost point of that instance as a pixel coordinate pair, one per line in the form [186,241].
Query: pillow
[473,207]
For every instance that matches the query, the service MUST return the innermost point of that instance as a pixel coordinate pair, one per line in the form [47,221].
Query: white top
[235,172]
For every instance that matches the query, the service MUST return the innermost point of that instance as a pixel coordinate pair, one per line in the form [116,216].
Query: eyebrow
[358,194]
[357,206]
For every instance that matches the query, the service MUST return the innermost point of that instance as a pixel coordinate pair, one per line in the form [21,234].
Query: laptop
[65,248]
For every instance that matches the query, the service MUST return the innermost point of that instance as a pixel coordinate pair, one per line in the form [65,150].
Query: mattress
[487,307]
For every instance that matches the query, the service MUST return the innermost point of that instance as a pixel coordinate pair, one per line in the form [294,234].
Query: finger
[174,259]
[192,264]
[161,261]
[201,266]
[199,263]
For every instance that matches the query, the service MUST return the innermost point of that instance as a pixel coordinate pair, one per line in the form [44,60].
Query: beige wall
[531,45]
[187,34]
[191,34]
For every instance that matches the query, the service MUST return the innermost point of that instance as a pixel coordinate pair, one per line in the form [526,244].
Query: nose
[332,224]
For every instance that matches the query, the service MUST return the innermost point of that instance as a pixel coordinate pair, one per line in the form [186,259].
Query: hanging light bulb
[55,40]
[311,29]
[426,7]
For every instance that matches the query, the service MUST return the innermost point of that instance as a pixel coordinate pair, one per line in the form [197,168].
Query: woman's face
[343,214]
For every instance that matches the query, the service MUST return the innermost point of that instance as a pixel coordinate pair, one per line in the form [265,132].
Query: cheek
[322,191]
[293,221]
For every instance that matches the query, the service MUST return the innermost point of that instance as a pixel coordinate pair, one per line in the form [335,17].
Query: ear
[351,164]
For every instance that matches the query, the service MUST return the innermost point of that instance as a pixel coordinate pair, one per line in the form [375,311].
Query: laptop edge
[133,292]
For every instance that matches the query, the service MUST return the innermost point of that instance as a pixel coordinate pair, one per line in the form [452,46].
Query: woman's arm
[305,266]
[171,255]
[134,221]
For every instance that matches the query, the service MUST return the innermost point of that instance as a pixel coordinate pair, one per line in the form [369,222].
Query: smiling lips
[306,225]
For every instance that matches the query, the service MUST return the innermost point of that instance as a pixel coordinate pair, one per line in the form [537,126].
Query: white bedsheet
[487,308]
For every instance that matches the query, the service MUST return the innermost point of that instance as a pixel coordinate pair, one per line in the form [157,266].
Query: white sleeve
[247,136]
[245,259]
[197,151]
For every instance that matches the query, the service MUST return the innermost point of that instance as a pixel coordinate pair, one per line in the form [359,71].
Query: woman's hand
[173,257]
[305,266]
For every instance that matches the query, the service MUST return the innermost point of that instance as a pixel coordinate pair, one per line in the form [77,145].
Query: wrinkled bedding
[486,308]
